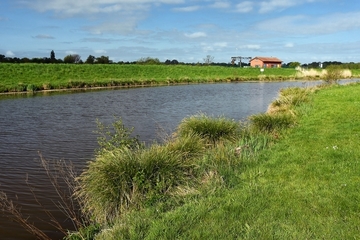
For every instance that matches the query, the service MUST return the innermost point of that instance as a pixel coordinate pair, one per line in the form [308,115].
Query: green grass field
[302,184]
[36,77]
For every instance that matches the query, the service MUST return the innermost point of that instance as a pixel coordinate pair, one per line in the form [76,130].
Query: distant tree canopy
[168,62]
[72,58]
[52,56]
[148,61]
[103,60]
[293,64]
[208,59]
[325,64]
[90,59]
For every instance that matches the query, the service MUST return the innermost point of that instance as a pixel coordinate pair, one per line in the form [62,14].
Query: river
[62,125]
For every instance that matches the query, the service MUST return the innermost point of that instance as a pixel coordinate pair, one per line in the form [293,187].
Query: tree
[208,59]
[72,58]
[148,61]
[294,64]
[103,60]
[52,56]
[90,59]
[174,62]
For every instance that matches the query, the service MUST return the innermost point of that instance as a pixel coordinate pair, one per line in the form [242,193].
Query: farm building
[265,62]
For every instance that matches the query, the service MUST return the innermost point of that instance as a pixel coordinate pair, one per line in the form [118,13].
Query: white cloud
[100,51]
[187,9]
[70,52]
[244,7]
[206,47]
[289,45]
[305,25]
[213,47]
[251,46]
[114,27]
[9,54]
[97,40]
[271,5]
[221,44]
[195,35]
[220,4]
[71,7]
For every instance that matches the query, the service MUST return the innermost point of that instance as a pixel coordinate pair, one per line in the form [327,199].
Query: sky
[302,31]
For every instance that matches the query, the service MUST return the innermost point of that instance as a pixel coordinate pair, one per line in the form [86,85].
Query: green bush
[333,73]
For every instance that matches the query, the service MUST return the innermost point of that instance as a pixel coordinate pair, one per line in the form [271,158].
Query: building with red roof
[265,62]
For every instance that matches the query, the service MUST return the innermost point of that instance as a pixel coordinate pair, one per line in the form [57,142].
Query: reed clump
[210,129]
[282,113]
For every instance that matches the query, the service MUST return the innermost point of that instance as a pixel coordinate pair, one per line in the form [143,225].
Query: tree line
[71,58]
[76,59]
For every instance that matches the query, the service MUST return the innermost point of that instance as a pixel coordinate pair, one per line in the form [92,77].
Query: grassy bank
[303,187]
[292,174]
[37,77]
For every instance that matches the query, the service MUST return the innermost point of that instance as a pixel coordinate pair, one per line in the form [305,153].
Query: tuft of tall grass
[250,145]
[289,98]
[211,129]
[272,122]
[124,179]
[191,146]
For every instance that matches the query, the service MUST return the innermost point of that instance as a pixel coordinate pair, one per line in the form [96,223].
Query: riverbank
[293,176]
[22,78]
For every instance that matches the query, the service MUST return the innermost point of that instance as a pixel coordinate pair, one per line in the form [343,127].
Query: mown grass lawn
[306,186]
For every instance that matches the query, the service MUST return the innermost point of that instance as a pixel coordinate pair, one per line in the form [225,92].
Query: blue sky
[187,30]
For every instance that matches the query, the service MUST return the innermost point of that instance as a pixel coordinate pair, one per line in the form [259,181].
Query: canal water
[62,125]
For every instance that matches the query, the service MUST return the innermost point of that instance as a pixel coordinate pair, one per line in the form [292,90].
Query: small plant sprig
[115,136]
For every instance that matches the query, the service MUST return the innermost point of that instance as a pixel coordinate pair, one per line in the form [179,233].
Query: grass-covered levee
[290,173]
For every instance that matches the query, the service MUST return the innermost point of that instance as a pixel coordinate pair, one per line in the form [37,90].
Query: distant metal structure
[233,59]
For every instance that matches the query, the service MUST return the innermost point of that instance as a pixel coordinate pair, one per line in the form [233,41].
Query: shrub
[333,74]
[212,130]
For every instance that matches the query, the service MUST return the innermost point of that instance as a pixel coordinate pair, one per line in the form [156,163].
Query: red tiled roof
[267,59]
